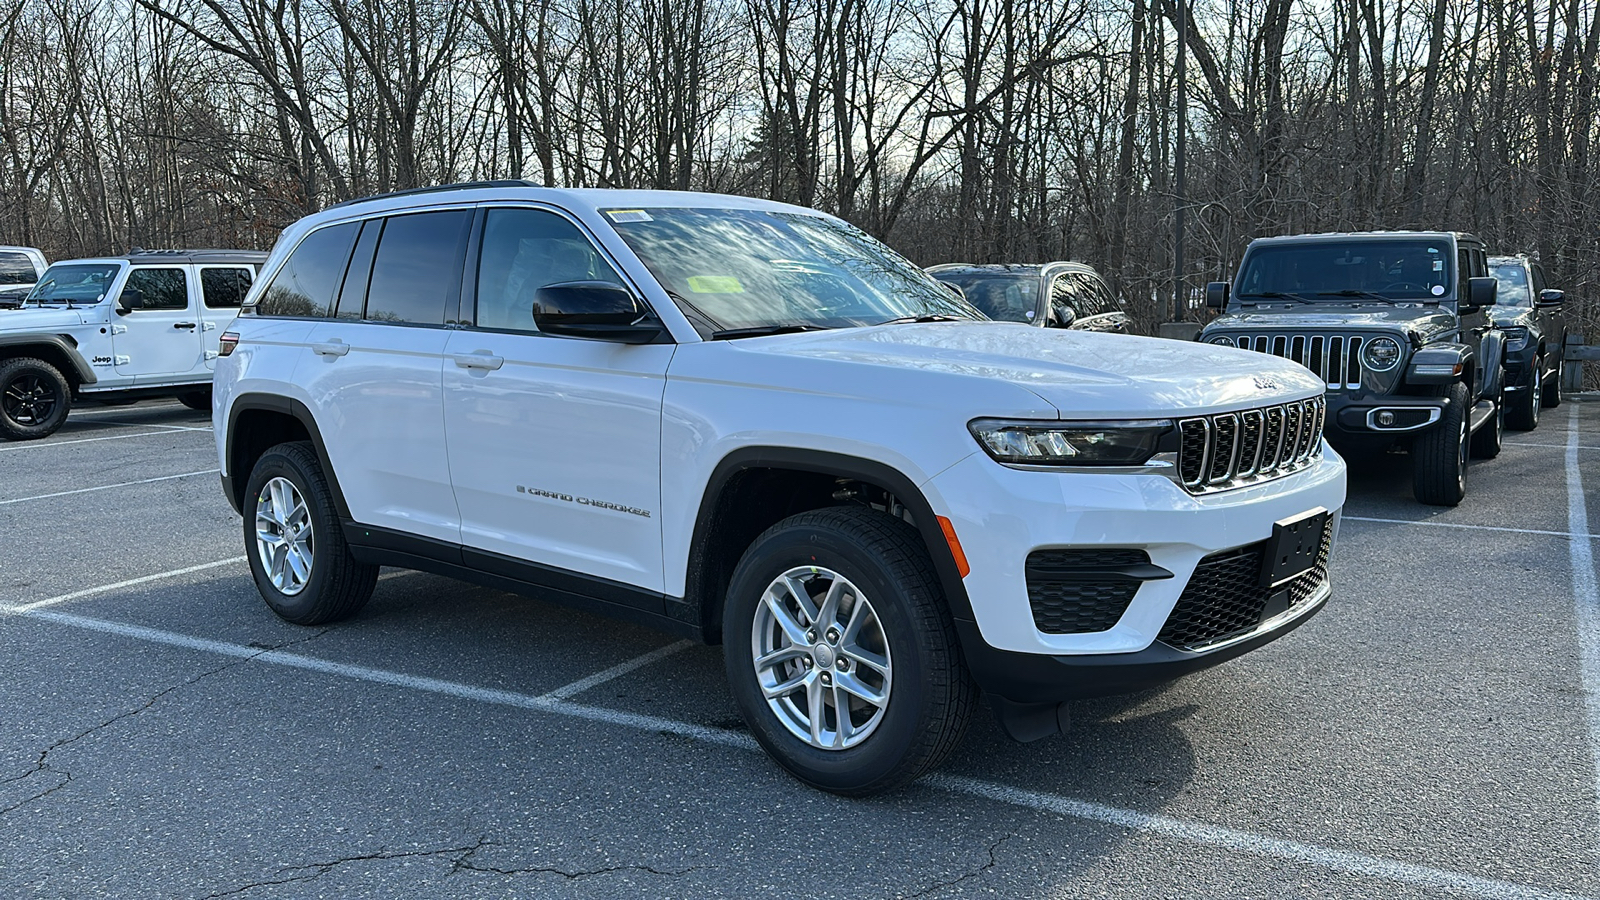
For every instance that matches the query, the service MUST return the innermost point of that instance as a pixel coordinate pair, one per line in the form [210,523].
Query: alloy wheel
[285,539]
[30,399]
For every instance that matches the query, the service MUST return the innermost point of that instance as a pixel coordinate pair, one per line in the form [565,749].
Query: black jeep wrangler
[1394,322]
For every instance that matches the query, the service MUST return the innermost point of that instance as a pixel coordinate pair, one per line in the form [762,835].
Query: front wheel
[298,556]
[1488,439]
[34,399]
[1551,396]
[841,654]
[1439,457]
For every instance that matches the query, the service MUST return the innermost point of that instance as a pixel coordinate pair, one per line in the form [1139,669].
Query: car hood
[35,319]
[1082,374]
[1421,320]
[1503,316]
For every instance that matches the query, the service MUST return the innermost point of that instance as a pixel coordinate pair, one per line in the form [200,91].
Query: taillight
[229,340]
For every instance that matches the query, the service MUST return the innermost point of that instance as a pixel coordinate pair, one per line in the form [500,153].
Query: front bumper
[1002,515]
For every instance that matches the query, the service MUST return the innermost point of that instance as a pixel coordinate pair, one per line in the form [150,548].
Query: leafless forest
[955,129]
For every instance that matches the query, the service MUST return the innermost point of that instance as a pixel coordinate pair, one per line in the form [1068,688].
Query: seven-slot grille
[1229,450]
[1336,358]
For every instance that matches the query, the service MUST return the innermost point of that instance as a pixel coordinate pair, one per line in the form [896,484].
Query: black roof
[141,255]
[1460,236]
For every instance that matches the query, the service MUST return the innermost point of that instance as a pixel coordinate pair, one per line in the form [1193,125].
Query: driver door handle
[330,348]
[480,360]
[182,324]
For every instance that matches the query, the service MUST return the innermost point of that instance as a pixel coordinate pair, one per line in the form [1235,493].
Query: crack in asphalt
[319,869]
[939,886]
[465,864]
[42,764]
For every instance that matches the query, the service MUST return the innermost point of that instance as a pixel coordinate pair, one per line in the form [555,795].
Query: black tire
[200,400]
[1490,436]
[337,586]
[34,399]
[1439,456]
[1523,414]
[930,694]
[1551,396]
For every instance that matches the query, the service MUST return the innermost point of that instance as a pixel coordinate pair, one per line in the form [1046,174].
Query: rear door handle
[330,348]
[480,360]
[182,324]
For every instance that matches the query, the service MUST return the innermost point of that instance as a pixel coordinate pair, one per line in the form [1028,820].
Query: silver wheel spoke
[786,688]
[792,629]
[866,658]
[828,615]
[853,685]
[815,710]
[841,714]
[802,598]
[780,655]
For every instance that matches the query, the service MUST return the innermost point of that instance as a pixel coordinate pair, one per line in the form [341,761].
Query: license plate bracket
[1293,548]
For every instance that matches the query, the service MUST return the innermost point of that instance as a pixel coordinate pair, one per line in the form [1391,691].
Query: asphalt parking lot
[162,734]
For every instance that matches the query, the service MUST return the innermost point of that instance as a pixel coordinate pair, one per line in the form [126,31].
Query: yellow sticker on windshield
[715,284]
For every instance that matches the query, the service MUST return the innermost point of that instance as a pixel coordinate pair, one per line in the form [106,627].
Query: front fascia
[721,398]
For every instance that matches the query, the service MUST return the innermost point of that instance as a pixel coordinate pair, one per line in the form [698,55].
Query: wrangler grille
[1224,598]
[1335,358]
[1230,450]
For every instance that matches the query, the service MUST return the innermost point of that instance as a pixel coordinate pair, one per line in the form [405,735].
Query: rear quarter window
[225,288]
[16,268]
[305,284]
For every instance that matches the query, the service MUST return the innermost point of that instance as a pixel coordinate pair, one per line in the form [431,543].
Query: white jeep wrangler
[118,329]
[751,423]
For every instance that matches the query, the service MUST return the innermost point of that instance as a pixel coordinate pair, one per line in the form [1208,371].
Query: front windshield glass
[1513,280]
[1342,271]
[1003,296]
[79,284]
[751,269]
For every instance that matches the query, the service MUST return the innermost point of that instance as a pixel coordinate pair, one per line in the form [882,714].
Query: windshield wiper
[1365,295]
[760,330]
[929,317]
[1277,295]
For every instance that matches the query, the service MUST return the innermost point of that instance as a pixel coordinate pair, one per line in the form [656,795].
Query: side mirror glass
[1482,291]
[1062,315]
[593,309]
[1550,297]
[129,300]
[1217,294]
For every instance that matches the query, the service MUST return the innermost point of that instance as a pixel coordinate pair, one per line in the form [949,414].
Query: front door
[555,442]
[159,340]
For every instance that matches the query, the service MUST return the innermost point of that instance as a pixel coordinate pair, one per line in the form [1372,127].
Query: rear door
[222,290]
[160,340]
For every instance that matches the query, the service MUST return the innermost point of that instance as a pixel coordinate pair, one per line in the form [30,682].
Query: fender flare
[60,342]
[1494,350]
[843,466]
[232,481]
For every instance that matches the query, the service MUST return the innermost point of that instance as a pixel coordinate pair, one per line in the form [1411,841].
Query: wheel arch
[258,422]
[58,350]
[779,482]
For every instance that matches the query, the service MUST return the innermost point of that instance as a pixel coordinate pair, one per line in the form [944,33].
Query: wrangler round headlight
[1223,339]
[1071,443]
[1381,354]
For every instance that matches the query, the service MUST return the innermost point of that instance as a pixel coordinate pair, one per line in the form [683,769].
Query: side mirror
[953,288]
[1482,291]
[1063,314]
[129,300]
[1549,298]
[1217,294]
[593,309]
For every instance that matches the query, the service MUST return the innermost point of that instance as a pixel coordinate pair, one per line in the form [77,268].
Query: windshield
[1513,280]
[16,268]
[750,269]
[1003,296]
[1327,271]
[78,284]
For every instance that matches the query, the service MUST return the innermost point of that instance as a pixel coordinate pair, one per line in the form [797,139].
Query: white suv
[118,329]
[751,423]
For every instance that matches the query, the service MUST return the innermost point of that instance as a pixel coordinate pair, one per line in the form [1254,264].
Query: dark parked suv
[1395,324]
[1535,327]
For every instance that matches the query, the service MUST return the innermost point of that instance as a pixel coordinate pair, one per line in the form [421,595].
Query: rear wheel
[297,552]
[1489,437]
[200,399]
[1524,412]
[841,653]
[34,399]
[1439,456]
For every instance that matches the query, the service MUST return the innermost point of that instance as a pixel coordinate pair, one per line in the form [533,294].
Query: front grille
[1224,598]
[1230,450]
[1081,591]
[1336,358]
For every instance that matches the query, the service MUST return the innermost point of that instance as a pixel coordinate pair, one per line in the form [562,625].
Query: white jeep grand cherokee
[751,423]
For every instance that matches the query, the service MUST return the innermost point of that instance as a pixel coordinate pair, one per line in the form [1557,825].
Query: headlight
[1071,443]
[1222,339]
[1381,354]
[1516,338]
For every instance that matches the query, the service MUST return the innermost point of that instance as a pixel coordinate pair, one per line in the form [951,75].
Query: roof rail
[460,186]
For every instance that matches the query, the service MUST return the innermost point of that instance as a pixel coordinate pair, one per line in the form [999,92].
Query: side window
[225,288]
[1463,273]
[416,273]
[305,284]
[160,288]
[1065,303]
[1538,278]
[1093,299]
[524,250]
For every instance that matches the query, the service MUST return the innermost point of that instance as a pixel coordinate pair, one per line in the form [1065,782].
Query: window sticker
[1438,265]
[715,284]
[1438,290]
[621,216]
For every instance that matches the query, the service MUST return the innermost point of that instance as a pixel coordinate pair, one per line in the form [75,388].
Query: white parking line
[617,671]
[1565,534]
[40,445]
[1339,861]
[108,487]
[152,425]
[1585,592]
[1566,446]
[90,592]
